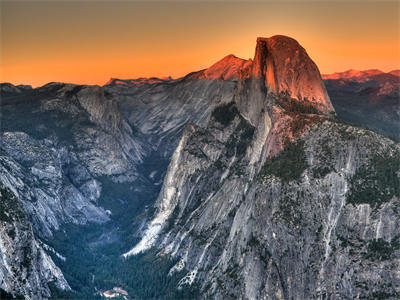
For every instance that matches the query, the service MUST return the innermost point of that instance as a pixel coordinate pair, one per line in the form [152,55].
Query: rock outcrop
[267,194]
[274,198]
[25,268]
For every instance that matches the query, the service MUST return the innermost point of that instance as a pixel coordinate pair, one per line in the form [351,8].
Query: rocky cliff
[260,191]
[88,155]
[25,268]
[63,147]
[275,199]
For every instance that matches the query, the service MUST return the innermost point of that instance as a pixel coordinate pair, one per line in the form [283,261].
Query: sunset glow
[90,42]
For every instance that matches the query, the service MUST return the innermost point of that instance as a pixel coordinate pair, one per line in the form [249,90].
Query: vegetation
[4,295]
[326,159]
[380,249]
[92,266]
[9,207]
[289,210]
[288,164]
[240,139]
[299,122]
[296,107]
[225,113]
[302,113]
[376,182]
[321,172]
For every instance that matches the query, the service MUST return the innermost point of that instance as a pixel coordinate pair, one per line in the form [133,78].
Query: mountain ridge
[268,188]
[239,175]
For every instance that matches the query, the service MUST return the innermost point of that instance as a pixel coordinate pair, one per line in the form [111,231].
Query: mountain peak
[286,67]
[366,75]
[228,68]
[138,81]
[395,72]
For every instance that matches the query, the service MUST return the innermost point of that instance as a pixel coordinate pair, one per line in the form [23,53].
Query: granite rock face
[274,198]
[260,191]
[25,268]
[65,149]
[59,144]
[302,226]
[286,68]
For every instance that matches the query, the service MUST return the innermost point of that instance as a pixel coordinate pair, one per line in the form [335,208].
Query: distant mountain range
[362,76]
[369,98]
[239,181]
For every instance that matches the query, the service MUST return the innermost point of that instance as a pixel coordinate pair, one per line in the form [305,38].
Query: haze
[89,42]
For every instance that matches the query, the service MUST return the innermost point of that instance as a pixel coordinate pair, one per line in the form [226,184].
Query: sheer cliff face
[266,195]
[286,67]
[282,66]
[76,154]
[271,198]
[25,268]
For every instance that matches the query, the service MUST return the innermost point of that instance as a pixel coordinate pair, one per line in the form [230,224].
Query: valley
[248,179]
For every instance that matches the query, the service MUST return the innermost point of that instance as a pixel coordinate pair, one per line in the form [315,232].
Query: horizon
[91,42]
[176,78]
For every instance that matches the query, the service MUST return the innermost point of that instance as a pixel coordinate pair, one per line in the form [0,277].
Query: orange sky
[91,41]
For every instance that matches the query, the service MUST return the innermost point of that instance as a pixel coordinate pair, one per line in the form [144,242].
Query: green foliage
[321,172]
[253,242]
[92,266]
[240,139]
[326,158]
[57,294]
[93,252]
[288,165]
[382,250]
[246,135]
[288,210]
[295,107]
[11,233]
[27,258]
[382,295]
[225,113]
[219,165]
[376,182]
[5,295]
[302,113]
[299,123]
[9,207]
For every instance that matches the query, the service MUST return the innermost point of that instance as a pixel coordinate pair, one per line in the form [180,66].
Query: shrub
[289,164]
[376,182]
[382,250]
[225,113]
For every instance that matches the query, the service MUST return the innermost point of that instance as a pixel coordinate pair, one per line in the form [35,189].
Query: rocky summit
[239,181]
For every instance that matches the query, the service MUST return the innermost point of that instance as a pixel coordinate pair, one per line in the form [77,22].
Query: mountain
[395,72]
[86,162]
[236,181]
[368,98]
[274,198]
[354,75]
[25,266]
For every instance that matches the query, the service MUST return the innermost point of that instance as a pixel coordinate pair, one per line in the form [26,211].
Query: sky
[88,42]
